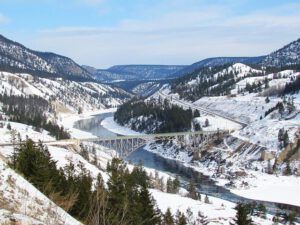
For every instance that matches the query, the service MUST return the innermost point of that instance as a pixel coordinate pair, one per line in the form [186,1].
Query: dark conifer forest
[154,116]
[31,110]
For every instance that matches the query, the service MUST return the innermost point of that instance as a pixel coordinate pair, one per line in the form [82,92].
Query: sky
[102,33]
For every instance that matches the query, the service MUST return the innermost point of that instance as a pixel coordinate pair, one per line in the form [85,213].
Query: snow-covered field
[216,123]
[283,189]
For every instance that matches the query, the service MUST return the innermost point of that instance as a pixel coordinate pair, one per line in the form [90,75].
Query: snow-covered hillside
[24,203]
[288,55]
[65,95]
[16,57]
[257,110]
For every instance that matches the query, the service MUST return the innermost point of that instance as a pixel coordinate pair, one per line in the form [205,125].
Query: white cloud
[180,37]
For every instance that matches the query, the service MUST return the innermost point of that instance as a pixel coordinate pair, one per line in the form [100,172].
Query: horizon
[104,33]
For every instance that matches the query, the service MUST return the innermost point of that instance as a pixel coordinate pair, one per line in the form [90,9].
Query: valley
[49,105]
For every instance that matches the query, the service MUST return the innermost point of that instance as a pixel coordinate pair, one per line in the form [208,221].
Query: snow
[283,189]
[216,123]
[21,197]
[217,211]
[112,126]
[64,156]
[25,131]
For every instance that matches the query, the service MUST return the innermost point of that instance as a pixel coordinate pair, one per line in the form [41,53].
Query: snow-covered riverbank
[68,120]
[109,124]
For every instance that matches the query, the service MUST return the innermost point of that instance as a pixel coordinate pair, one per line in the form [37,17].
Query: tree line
[154,116]
[31,110]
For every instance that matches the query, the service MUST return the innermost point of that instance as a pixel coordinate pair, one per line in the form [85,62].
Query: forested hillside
[154,116]
[34,111]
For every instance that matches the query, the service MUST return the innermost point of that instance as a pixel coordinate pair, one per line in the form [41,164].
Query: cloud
[176,37]
[4,19]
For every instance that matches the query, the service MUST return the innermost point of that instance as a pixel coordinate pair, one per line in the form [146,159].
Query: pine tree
[180,218]
[261,210]
[242,215]
[206,199]
[206,123]
[286,140]
[176,185]
[196,113]
[288,170]
[189,216]
[192,193]
[168,218]
[169,185]
[290,218]
[147,211]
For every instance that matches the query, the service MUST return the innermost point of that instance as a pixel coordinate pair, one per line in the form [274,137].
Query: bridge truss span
[125,145]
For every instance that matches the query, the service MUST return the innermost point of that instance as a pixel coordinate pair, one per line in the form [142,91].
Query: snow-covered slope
[24,203]
[218,61]
[64,94]
[16,57]
[288,55]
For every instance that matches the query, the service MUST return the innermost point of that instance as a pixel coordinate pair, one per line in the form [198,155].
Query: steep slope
[218,61]
[286,56]
[15,57]
[210,81]
[65,95]
[23,203]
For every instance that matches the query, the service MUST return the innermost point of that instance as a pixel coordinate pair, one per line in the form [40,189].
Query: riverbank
[67,120]
[260,186]
[109,124]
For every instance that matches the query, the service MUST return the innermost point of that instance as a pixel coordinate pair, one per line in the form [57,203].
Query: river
[151,160]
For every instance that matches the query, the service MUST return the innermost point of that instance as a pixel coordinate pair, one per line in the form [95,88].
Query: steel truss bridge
[125,145]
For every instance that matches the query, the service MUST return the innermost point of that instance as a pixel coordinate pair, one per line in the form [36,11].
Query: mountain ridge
[15,57]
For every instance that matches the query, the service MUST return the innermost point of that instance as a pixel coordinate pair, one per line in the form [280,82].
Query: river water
[204,184]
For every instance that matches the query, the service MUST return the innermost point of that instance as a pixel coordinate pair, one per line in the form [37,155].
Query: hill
[14,57]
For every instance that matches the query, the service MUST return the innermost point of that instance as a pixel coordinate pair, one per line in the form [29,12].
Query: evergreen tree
[147,211]
[242,215]
[180,218]
[196,113]
[168,218]
[260,211]
[286,140]
[281,134]
[176,185]
[192,192]
[289,218]
[206,200]
[169,185]
[206,123]
[288,170]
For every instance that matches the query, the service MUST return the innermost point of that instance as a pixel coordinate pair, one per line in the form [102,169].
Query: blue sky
[103,33]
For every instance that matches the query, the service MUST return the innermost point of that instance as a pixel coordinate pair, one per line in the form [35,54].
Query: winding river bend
[204,184]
